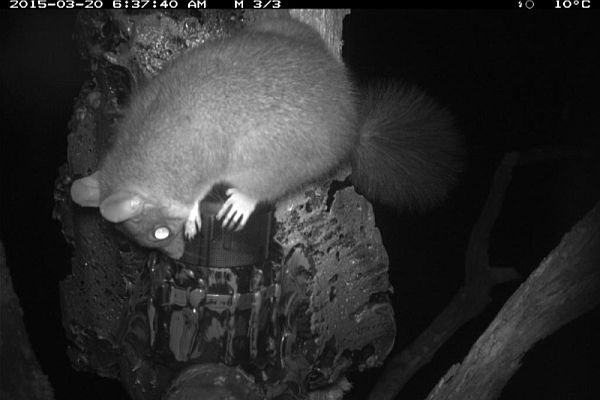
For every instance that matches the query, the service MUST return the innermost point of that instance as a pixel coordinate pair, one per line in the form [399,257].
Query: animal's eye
[161,233]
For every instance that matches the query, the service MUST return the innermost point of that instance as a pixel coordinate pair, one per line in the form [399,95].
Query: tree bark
[563,287]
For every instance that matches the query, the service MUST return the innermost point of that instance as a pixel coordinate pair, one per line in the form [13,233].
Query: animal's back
[263,111]
[266,112]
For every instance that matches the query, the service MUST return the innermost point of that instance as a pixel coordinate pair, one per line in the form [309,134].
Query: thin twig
[468,302]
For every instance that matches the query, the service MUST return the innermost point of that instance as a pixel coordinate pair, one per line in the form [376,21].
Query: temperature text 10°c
[573,4]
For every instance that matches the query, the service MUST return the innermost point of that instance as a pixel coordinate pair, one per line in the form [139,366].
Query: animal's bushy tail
[409,153]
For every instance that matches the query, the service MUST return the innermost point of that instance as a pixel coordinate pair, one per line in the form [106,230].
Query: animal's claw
[236,210]
[194,222]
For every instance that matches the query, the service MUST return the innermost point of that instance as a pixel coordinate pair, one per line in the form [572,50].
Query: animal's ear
[121,206]
[86,191]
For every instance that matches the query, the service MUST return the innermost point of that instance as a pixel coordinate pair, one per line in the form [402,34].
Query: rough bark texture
[563,287]
[20,373]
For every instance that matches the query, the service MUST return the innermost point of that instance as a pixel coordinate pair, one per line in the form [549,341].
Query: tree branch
[468,302]
[563,287]
[21,376]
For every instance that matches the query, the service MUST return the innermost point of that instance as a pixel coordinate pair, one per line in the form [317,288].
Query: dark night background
[515,80]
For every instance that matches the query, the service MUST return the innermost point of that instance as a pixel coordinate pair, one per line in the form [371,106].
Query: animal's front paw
[236,210]
[194,222]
